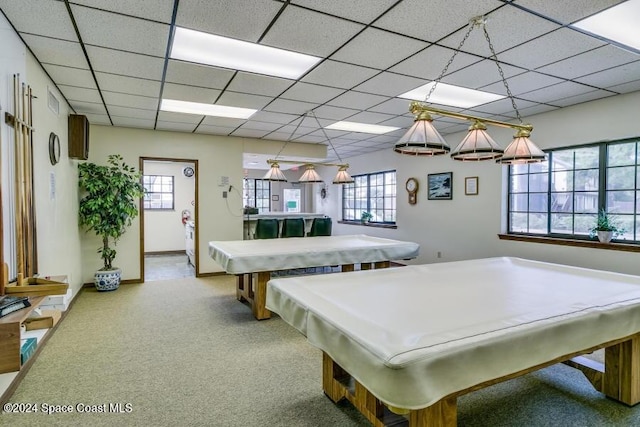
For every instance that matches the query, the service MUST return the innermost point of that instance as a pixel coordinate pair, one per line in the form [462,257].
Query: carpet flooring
[186,353]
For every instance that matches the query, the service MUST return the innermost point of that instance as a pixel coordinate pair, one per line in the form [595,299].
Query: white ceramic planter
[605,236]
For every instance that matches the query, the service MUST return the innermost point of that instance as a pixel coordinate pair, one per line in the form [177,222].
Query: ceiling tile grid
[370,52]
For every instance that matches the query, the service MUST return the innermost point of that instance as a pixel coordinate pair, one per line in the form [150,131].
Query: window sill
[626,247]
[371,224]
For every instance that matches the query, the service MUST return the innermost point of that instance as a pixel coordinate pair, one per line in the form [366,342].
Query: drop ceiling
[110,60]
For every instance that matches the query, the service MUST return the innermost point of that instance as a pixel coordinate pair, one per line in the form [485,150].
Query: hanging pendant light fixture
[343,176]
[423,138]
[477,145]
[310,176]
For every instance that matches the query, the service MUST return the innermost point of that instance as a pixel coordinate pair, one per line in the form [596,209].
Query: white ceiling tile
[98,119]
[502,106]
[197,75]
[567,12]
[536,53]
[238,19]
[70,76]
[359,100]
[334,113]
[175,126]
[522,83]
[589,96]
[429,63]
[132,101]
[338,74]
[311,93]
[383,139]
[116,110]
[125,64]
[258,84]
[393,106]
[215,130]
[308,32]
[378,49]
[537,109]
[249,133]
[290,107]
[363,11]
[222,121]
[81,94]
[590,62]
[626,87]
[613,76]
[559,91]
[46,18]
[432,20]
[243,100]
[189,93]
[132,85]
[56,51]
[256,125]
[312,122]
[170,116]
[133,122]
[278,118]
[399,121]
[480,74]
[157,10]
[370,117]
[389,84]
[133,34]
[88,107]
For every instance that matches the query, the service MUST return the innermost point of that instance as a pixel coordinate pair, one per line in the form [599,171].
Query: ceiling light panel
[205,109]
[361,127]
[203,48]
[618,23]
[454,96]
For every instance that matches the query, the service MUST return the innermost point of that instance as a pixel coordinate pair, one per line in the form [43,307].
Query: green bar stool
[292,227]
[320,227]
[266,228]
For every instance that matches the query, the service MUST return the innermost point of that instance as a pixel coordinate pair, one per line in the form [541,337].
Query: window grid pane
[159,193]
[256,193]
[374,193]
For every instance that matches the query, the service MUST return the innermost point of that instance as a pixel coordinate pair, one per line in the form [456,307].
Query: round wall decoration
[54,148]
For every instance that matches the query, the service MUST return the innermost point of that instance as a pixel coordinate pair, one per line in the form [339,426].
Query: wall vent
[52,102]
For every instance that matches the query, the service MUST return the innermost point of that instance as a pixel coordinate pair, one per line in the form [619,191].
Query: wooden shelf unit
[10,336]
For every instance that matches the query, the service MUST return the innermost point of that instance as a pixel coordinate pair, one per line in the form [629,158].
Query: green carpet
[186,353]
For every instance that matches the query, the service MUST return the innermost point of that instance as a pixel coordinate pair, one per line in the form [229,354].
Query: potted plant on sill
[365,217]
[109,202]
[605,228]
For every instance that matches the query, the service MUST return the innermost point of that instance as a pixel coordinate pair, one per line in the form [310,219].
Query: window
[257,193]
[374,193]
[562,196]
[159,192]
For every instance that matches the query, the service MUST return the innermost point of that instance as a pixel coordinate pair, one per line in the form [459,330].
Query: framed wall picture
[440,186]
[275,198]
[471,186]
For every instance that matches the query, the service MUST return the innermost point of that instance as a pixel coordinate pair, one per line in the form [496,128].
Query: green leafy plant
[109,202]
[605,222]
[365,216]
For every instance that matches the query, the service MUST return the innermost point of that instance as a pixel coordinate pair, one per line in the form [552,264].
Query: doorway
[169,219]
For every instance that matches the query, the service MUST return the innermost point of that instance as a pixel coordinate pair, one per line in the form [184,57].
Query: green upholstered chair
[266,228]
[320,227]
[292,227]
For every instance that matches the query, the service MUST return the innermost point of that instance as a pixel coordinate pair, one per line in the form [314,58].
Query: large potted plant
[605,228]
[109,201]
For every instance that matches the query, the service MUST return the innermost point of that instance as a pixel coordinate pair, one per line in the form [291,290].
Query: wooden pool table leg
[338,384]
[381,264]
[622,371]
[347,267]
[258,303]
[243,283]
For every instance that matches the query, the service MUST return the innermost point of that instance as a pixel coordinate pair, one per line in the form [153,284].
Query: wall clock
[412,189]
[54,148]
[188,171]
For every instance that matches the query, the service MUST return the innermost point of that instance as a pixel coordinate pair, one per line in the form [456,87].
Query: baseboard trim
[215,273]
[179,252]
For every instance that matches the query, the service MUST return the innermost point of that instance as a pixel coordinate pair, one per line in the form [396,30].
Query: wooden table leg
[443,413]
[622,371]
[347,267]
[365,266]
[260,296]
[381,264]
[241,286]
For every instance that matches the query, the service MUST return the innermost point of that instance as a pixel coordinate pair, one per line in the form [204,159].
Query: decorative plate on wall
[54,148]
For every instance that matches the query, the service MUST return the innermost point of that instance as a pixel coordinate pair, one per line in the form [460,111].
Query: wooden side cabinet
[78,137]
[10,336]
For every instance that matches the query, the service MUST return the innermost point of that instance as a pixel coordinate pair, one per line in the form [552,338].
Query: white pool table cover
[413,335]
[250,256]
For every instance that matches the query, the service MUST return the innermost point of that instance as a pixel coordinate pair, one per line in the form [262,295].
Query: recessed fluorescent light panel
[455,96]
[205,109]
[618,23]
[361,127]
[203,48]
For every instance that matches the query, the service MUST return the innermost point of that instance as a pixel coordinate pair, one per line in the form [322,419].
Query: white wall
[467,226]
[163,229]
[59,250]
